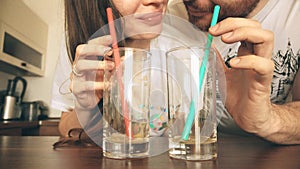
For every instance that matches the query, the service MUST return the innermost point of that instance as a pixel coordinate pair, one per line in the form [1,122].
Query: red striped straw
[117,59]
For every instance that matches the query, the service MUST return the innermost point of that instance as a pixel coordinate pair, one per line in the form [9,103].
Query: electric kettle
[12,99]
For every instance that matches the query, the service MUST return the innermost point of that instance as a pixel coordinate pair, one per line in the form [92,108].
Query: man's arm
[90,120]
[286,129]
[283,126]
[248,83]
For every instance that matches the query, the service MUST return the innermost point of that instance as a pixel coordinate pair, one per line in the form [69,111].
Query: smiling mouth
[151,19]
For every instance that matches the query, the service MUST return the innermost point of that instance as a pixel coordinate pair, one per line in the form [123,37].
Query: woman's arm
[68,120]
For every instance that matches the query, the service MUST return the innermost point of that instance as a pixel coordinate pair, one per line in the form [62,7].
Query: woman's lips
[150,19]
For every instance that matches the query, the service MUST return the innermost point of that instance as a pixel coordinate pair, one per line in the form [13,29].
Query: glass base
[126,148]
[187,150]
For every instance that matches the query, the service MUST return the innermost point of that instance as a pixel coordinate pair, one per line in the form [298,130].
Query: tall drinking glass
[191,106]
[126,105]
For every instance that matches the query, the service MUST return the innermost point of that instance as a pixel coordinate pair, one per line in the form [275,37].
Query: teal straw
[190,119]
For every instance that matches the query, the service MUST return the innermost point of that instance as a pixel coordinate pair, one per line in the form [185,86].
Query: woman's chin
[145,36]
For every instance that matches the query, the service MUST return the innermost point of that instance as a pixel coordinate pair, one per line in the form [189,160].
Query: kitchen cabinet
[26,128]
[23,40]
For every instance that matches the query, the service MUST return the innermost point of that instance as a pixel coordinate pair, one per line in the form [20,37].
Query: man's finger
[260,65]
[230,24]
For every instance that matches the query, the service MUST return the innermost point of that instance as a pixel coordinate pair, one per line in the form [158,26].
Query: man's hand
[249,80]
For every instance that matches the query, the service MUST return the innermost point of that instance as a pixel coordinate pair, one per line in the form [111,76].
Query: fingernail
[214,28]
[106,50]
[235,61]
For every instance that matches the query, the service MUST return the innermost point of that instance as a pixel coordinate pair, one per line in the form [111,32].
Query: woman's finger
[86,86]
[90,50]
[92,65]
[95,47]
[103,40]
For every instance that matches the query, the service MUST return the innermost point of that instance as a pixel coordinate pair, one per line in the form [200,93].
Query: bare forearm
[87,119]
[68,121]
[283,126]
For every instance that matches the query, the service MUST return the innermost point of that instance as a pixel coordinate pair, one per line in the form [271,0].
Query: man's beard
[238,9]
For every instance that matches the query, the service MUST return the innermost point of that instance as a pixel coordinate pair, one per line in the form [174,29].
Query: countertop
[28,124]
[47,127]
[18,124]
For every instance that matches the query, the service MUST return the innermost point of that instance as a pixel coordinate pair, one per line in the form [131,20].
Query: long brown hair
[82,19]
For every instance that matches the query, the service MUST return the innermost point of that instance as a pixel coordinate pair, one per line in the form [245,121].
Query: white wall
[40,88]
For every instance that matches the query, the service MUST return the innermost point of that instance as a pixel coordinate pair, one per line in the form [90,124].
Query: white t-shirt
[281,17]
[62,98]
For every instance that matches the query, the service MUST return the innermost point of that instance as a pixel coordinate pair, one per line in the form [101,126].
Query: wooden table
[235,152]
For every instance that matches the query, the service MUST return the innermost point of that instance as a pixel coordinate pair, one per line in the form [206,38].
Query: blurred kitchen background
[37,25]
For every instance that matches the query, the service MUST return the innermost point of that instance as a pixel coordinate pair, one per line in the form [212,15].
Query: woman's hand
[87,78]
[249,80]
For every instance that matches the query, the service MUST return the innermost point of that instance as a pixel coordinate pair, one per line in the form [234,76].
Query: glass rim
[190,48]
